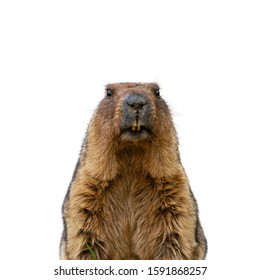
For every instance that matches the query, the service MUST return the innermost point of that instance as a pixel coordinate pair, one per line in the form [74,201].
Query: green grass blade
[91,251]
[86,243]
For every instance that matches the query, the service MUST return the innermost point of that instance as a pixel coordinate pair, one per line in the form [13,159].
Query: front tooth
[134,125]
[138,127]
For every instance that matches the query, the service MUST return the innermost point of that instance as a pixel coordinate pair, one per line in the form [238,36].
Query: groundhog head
[135,108]
[132,120]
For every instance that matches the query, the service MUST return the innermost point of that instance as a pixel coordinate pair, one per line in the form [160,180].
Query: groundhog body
[129,197]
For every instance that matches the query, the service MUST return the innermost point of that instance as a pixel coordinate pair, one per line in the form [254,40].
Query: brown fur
[131,199]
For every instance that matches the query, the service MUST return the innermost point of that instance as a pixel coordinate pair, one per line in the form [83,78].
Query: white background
[56,57]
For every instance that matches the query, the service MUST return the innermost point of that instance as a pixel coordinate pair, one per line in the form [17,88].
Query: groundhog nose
[135,101]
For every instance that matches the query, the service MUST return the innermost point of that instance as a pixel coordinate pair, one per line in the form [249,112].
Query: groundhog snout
[136,111]
[136,105]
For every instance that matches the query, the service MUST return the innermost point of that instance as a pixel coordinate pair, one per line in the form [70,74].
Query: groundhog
[129,197]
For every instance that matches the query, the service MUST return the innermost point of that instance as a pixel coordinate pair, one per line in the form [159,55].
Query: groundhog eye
[109,92]
[157,92]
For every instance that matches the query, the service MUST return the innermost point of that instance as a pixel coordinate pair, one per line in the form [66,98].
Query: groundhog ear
[109,92]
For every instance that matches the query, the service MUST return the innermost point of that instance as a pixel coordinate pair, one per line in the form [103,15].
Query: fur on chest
[132,214]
